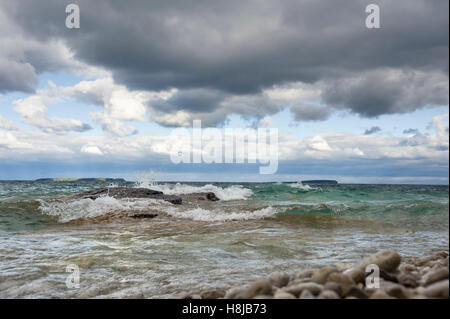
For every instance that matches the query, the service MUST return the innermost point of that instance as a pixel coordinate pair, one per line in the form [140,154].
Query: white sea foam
[88,208]
[234,192]
[301,186]
[200,214]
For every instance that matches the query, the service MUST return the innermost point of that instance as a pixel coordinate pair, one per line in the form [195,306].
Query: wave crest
[234,192]
[200,214]
[88,208]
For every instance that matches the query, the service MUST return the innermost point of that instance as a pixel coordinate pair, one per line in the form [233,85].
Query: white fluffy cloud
[330,146]
[91,149]
[33,110]
[118,101]
[6,124]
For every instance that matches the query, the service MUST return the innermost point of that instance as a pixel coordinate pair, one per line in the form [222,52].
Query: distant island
[80,180]
[320,181]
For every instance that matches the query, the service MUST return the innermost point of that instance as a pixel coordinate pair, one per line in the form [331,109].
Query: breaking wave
[303,187]
[200,214]
[234,192]
[88,208]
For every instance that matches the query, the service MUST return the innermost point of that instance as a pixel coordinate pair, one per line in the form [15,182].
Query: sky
[350,103]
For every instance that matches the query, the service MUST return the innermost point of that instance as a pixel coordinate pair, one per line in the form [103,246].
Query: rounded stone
[435,276]
[380,294]
[328,294]
[278,279]
[306,294]
[437,290]
[214,293]
[296,290]
[333,286]
[259,287]
[283,295]
[386,260]
[321,275]
[343,280]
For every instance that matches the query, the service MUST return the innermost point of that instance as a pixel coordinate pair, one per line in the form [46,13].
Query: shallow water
[253,230]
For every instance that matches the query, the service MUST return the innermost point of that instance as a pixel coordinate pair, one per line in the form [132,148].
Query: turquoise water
[253,230]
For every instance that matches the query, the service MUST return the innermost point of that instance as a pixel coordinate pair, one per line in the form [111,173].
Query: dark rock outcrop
[200,196]
[128,192]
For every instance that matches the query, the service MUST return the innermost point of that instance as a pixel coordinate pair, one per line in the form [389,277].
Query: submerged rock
[143,215]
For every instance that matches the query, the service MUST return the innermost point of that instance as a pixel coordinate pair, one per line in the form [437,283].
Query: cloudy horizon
[350,103]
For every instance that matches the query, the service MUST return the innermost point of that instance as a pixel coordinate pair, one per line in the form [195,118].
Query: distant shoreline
[205,182]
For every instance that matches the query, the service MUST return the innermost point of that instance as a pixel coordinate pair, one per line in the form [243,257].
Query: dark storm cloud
[387,91]
[306,112]
[237,48]
[195,100]
[372,130]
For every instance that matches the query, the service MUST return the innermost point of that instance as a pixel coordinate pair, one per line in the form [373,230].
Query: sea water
[252,230]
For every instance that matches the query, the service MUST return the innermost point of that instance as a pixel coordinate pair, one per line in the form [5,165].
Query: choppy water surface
[253,230]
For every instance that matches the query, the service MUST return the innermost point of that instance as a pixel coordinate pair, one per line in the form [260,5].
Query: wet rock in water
[214,293]
[127,192]
[296,290]
[386,260]
[279,279]
[441,255]
[143,215]
[437,290]
[200,196]
[321,275]
[435,276]
[283,295]
[328,294]
[259,287]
